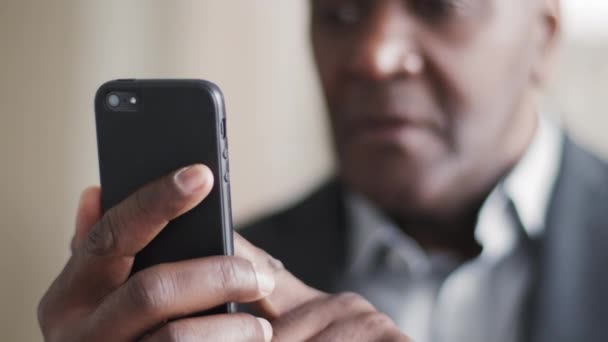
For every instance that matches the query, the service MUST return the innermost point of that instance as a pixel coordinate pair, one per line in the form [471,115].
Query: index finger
[289,292]
[104,258]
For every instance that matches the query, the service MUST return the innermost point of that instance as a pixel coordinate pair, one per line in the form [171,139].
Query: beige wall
[580,92]
[53,55]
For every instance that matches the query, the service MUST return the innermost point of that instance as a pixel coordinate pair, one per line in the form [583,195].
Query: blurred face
[430,101]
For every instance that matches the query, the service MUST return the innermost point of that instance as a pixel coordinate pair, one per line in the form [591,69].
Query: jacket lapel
[570,300]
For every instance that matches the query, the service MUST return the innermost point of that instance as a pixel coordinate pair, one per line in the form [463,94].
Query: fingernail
[190,179]
[265,281]
[267,328]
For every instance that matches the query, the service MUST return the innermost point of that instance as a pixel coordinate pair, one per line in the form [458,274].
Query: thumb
[89,212]
[289,292]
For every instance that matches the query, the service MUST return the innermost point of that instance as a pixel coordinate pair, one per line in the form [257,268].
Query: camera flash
[133,100]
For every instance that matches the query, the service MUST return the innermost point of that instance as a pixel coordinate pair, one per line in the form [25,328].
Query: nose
[385,47]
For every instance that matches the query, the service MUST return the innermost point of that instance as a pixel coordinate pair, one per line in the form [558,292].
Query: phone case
[177,123]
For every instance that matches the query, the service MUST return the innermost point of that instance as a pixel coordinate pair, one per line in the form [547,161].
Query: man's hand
[301,313]
[93,299]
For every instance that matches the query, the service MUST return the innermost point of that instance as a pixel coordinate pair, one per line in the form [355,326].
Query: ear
[550,32]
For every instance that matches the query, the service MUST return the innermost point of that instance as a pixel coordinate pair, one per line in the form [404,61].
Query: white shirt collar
[528,187]
[530,184]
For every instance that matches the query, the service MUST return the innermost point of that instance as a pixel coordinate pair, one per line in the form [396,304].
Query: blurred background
[54,55]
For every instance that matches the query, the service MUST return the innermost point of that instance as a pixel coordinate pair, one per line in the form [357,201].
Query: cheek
[480,80]
[460,77]
[328,62]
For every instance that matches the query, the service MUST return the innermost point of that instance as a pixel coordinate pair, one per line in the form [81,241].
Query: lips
[388,125]
[382,121]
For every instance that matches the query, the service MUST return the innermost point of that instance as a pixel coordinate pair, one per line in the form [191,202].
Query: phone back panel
[178,123]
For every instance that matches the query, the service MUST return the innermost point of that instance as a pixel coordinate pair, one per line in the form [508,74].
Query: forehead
[456,3]
[502,12]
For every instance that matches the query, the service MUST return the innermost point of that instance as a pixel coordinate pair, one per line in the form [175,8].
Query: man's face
[429,100]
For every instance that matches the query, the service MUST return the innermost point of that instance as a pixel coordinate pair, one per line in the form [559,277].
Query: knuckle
[102,238]
[377,320]
[395,336]
[350,300]
[401,338]
[176,331]
[151,291]
[247,326]
[157,200]
[142,203]
[243,327]
[229,280]
[274,264]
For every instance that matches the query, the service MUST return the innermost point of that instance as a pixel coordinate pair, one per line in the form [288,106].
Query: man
[457,209]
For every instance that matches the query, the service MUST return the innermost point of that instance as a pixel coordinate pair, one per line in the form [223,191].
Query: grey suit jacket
[569,300]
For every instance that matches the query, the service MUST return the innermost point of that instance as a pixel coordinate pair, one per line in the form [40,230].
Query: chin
[395,174]
[392,188]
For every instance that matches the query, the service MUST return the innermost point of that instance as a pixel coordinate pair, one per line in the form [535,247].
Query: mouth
[389,129]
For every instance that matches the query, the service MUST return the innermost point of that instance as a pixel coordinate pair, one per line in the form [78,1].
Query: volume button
[223,128]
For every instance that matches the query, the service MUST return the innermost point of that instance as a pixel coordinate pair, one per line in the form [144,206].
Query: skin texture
[93,299]
[431,102]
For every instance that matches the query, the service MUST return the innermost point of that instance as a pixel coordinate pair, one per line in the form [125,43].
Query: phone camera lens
[113,100]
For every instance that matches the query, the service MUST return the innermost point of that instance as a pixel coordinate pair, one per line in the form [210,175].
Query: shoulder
[583,168]
[322,204]
[573,251]
[579,199]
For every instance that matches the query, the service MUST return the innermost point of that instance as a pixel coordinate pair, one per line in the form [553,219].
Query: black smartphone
[149,128]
